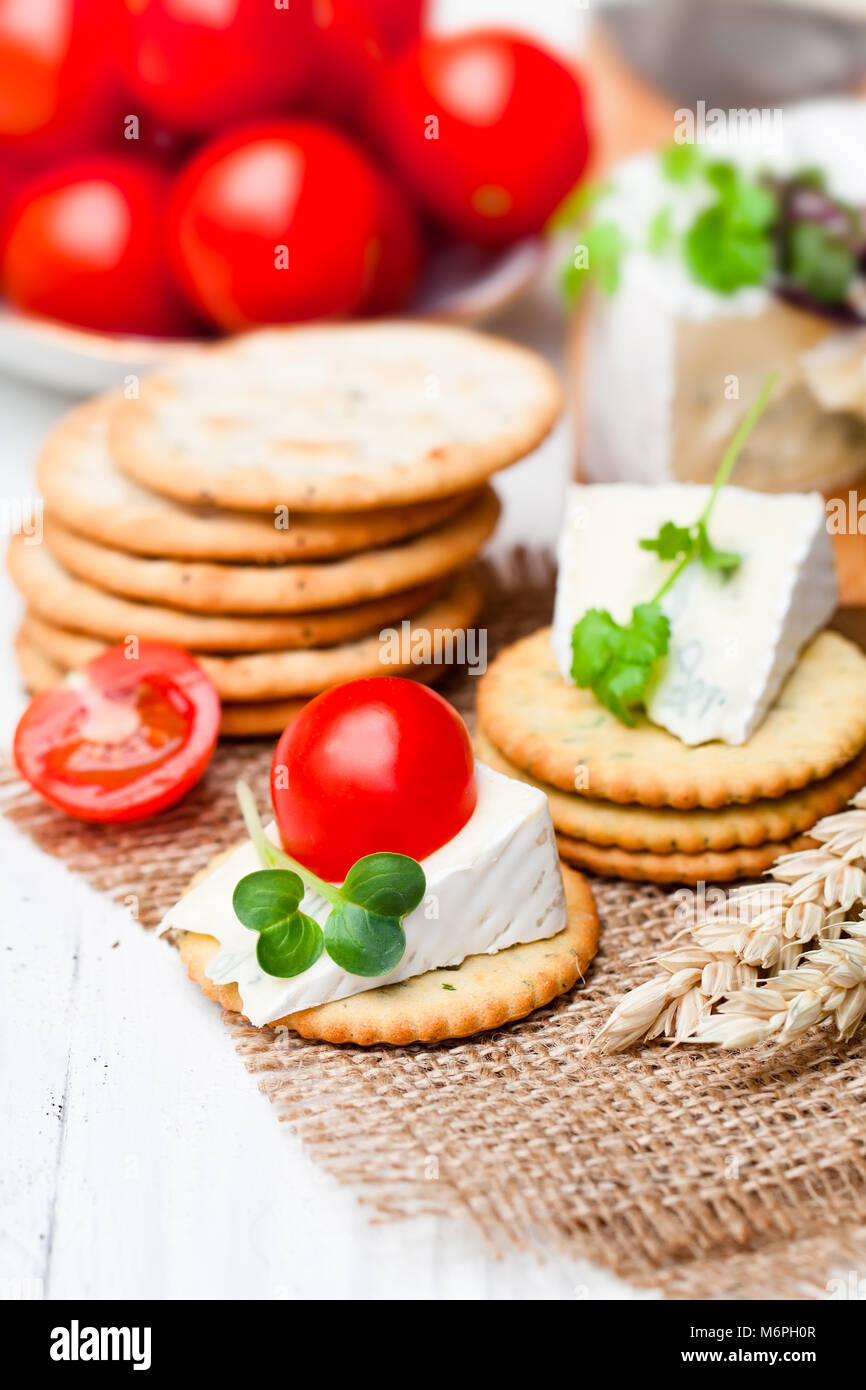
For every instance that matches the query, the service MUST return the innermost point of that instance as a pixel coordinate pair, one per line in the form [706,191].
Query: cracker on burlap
[57,604]
[220,588]
[84,491]
[713,866]
[335,417]
[562,735]
[481,993]
[432,639]
[664,830]
[705,1173]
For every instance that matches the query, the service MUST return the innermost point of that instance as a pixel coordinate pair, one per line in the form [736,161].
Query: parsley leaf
[711,558]
[671,542]
[616,661]
[599,256]
[680,163]
[730,244]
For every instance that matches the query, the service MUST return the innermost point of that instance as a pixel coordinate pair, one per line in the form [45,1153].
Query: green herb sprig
[616,660]
[364,932]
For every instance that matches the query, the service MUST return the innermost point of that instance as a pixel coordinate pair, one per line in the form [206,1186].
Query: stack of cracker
[636,803]
[296,507]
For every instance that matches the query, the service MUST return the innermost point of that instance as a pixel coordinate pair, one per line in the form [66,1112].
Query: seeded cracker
[336,417]
[562,735]
[483,992]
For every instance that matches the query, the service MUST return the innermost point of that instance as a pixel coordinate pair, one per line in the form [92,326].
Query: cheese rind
[733,640]
[497,882]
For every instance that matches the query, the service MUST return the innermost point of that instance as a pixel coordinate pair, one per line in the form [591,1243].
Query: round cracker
[201,587]
[335,417]
[84,491]
[558,732]
[663,830]
[715,866]
[434,633]
[483,992]
[64,601]
[38,671]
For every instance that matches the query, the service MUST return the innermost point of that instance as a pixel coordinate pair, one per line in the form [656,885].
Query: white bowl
[461,284]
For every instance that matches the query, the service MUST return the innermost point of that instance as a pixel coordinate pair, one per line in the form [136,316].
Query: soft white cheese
[733,640]
[661,353]
[496,883]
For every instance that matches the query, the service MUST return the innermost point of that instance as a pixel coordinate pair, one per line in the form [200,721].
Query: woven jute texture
[699,1172]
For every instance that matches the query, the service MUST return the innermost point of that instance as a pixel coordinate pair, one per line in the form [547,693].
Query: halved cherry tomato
[486,129]
[202,65]
[374,765]
[402,255]
[124,737]
[275,223]
[87,243]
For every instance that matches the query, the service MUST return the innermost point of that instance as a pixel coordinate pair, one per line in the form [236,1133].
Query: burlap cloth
[696,1171]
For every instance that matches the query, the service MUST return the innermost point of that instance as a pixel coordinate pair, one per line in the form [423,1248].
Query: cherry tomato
[348,60]
[124,737]
[486,129]
[276,223]
[396,275]
[87,243]
[202,65]
[395,23]
[58,82]
[374,765]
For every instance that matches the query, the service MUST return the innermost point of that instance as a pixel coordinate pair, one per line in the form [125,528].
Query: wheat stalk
[772,961]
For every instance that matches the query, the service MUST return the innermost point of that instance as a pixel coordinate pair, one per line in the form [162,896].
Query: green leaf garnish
[597,257]
[680,163]
[392,884]
[820,263]
[267,902]
[363,942]
[660,233]
[730,244]
[712,559]
[616,661]
[671,542]
[364,933]
[727,255]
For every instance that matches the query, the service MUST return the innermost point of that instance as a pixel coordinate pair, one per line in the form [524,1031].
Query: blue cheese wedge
[497,882]
[733,640]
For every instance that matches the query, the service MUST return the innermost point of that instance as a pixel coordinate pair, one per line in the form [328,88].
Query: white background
[139,1159]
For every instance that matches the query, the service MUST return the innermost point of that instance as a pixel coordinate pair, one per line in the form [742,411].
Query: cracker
[84,491]
[64,601]
[335,417]
[483,992]
[224,588]
[433,642]
[715,866]
[663,830]
[252,720]
[562,735]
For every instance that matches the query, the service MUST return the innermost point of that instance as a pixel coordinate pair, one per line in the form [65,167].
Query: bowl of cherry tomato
[172,171]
